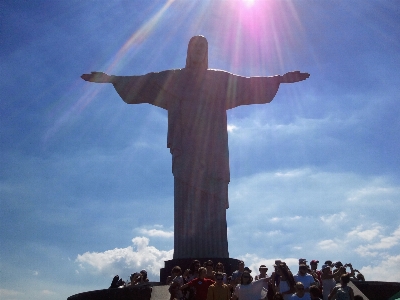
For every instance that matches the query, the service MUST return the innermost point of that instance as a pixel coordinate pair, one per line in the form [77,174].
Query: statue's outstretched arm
[257,90]
[294,76]
[151,88]
[98,77]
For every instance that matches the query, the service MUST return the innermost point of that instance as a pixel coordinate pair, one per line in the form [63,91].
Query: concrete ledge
[142,292]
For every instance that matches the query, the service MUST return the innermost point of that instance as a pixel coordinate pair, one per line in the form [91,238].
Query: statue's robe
[198,140]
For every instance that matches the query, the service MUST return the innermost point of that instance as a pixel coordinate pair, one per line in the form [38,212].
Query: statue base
[230,265]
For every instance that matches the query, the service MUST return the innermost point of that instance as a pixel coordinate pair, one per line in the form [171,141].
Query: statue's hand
[294,76]
[98,77]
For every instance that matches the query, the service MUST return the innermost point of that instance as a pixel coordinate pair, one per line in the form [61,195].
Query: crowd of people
[138,278]
[209,282]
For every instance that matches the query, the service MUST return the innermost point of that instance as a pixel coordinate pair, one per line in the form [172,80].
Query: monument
[196,99]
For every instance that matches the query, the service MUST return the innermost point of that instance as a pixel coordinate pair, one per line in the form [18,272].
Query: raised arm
[257,90]
[152,88]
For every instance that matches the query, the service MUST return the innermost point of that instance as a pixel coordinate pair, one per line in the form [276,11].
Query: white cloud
[232,127]
[386,270]
[384,243]
[368,234]
[157,233]
[126,260]
[4,293]
[333,218]
[366,193]
[327,244]
[47,292]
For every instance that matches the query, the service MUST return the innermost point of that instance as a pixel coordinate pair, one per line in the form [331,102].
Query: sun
[249,3]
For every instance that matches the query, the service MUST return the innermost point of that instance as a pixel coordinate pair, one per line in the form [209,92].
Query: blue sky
[86,187]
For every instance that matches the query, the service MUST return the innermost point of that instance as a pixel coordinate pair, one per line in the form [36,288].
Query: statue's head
[197,53]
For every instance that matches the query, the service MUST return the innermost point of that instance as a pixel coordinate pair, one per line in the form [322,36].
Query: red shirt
[201,286]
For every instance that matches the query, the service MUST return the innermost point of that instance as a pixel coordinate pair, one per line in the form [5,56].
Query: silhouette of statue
[196,99]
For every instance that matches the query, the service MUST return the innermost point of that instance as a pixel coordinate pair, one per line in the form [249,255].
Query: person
[200,284]
[196,99]
[263,272]
[237,275]
[249,289]
[219,290]
[286,283]
[192,272]
[210,270]
[220,268]
[189,275]
[143,277]
[175,283]
[315,293]
[343,291]
[300,293]
[315,272]
[277,296]
[328,280]
[116,282]
[306,279]
[358,297]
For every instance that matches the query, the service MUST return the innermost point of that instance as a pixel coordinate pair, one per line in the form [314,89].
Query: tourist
[143,277]
[237,275]
[192,272]
[249,289]
[116,282]
[220,268]
[316,274]
[219,290]
[300,293]
[176,283]
[200,285]
[342,292]
[286,285]
[210,270]
[278,296]
[315,293]
[328,280]
[306,279]
[263,272]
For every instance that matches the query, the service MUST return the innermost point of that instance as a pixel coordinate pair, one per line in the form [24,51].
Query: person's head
[299,289]
[197,53]
[302,261]
[325,269]
[303,269]
[358,297]
[278,296]
[143,273]
[345,279]
[360,277]
[176,271]
[246,278]
[202,272]
[328,262]
[219,278]
[219,267]
[209,265]
[194,266]
[338,264]
[241,266]
[314,292]
[314,264]
[263,269]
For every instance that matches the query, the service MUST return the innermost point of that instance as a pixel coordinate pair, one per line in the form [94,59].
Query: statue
[196,99]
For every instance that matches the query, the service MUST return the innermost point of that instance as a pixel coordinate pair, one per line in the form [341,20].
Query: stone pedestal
[230,264]
[142,292]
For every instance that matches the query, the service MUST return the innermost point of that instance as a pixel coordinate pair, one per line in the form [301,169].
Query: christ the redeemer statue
[196,99]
